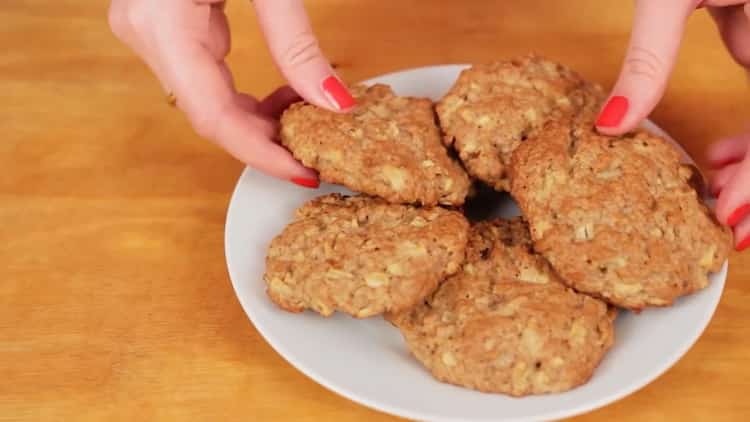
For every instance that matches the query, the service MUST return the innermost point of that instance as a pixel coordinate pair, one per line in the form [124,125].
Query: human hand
[731,185]
[184,42]
[657,32]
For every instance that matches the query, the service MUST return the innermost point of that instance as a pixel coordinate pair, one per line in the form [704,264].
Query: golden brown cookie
[388,146]
[505,323]
[363,256]
[617,217]
[494,107]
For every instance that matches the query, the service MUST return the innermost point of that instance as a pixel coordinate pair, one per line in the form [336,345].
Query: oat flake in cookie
[617,217]
[388,146]
[362,255]
[505,323]
[494,107]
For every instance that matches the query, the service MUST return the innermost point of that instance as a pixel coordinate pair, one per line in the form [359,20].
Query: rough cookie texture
[617,217]
[494,107]
[363,256]
[505,323]
[388,146]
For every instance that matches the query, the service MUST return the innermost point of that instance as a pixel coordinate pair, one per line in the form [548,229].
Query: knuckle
[302,50]
[645,63]
[204,125]
[205,122]
[207,112]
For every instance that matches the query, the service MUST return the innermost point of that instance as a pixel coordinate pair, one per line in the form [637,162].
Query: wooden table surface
[115,302]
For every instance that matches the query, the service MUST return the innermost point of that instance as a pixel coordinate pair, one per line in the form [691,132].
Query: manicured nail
[743,245]
[308,183]
[613,112]
[738,215]
[337,93]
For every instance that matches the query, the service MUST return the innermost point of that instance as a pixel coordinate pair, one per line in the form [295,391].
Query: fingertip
[733,204]
[328,91]
[741,243]
[337,94]
[741,233]
[615,117]
[302,171]
[307,182]
[613,111]
[721,209]
[304,176]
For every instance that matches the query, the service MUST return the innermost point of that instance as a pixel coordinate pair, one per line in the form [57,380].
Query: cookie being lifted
[505,323]
[494,107]
[388,146]
[617,217]
[363,256]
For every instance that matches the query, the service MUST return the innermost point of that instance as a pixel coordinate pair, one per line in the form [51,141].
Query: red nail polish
[337,93]
[308,183]
[738,215]
[613,112]
[743,245]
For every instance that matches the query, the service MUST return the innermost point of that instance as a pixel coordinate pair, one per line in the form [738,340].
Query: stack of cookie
[521,306]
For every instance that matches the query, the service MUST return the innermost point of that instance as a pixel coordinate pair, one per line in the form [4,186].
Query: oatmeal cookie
[362,255]
[388,146]
[505,323]
[494,107]
[617,217]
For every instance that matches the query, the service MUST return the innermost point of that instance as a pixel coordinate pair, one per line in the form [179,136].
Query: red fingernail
[337,93]
[308,183]
[613,112]
[743,245]
[738,215]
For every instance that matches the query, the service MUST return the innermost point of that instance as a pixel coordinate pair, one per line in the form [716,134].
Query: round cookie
[363,256]
[494,107]
[388,146]
[617,217]
[505,323]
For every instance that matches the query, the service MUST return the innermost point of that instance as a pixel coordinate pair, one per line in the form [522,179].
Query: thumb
[296,52]
[654,42]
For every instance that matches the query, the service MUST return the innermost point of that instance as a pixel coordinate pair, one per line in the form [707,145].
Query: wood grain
[115,303]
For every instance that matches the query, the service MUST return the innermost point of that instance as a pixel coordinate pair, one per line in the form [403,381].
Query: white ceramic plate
[367,361]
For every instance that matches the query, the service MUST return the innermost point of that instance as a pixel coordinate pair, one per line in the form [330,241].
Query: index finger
[296,52]
[657,33]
